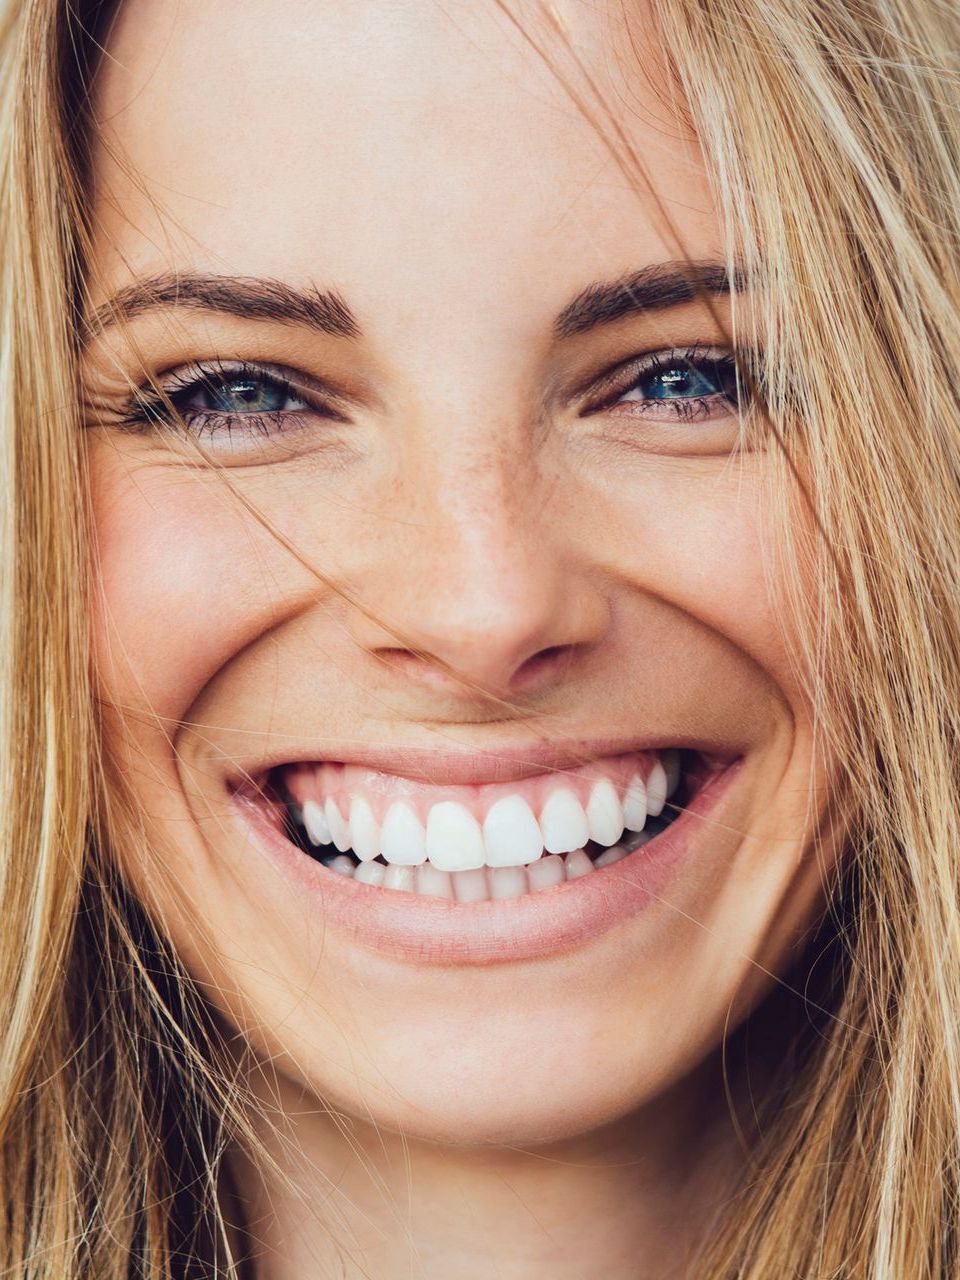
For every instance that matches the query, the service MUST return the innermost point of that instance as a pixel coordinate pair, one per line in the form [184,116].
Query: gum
[344,782]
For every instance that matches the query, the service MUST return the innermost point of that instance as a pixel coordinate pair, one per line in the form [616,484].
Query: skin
[605,570]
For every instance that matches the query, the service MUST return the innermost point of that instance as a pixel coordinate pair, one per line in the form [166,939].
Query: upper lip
[507,763]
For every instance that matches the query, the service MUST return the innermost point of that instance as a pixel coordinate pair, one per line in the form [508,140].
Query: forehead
[390,148]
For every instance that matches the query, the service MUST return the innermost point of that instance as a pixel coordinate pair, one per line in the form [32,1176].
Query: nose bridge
[482,581]
[472,479]
[485,553]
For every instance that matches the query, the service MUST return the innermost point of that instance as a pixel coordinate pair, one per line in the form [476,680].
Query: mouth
[478,841]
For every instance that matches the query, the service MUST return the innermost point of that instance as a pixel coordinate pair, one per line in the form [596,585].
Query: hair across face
[468,428]
[420,320]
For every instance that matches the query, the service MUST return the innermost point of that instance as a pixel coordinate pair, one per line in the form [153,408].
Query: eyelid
[157,402]
[618,379]
[181,377]
[629,370]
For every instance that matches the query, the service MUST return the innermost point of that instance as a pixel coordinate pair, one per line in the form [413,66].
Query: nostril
[396,657]
[547,664]
[543,667]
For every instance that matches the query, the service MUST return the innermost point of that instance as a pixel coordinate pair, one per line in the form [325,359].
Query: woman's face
[462,568]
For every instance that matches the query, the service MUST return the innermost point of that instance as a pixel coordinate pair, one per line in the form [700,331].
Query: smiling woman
[481,640]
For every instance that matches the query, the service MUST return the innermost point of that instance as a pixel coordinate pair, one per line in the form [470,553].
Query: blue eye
[689,384]
[683,377]
[674,383]
[230,399]
[243,393]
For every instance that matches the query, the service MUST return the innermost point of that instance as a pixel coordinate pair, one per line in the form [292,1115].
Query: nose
[482,585]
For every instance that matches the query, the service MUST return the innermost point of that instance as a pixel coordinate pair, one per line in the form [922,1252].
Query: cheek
[700,543]
[188,579]
[173,589]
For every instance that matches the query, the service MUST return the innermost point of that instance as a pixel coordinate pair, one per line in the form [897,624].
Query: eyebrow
[653,288]
[249,297]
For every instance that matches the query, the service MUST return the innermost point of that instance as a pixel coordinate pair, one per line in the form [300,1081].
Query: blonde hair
[833,135]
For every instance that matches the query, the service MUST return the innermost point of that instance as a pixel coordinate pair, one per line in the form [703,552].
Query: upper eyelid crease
[693,353]
[194,377]
[176,384]
[193,374]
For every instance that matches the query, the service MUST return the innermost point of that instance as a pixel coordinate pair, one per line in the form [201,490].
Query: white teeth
[403,878]
[454,838]
[364,830]
[609,856]
[671,766]
[339,831]
[402,837]
[434,883]
[342,863]
[656,789]
[522,854]
[370,873]
[470,886]
[507,882]
[605,813]
[316,823]
[577,864]
[563,823]
[545,873]
[635,804]
[511,834]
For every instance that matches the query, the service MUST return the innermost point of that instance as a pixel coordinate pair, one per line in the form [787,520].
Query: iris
[242,393]
[685,379]
[680,382]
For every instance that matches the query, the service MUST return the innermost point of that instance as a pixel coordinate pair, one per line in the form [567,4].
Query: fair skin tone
[503,529]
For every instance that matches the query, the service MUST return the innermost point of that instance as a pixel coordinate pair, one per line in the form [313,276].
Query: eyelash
[150,408]
[718,366]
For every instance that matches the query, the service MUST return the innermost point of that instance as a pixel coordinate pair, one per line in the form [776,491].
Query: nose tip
[492,609]
[485,582]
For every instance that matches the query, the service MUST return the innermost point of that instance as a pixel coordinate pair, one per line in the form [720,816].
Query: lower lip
[436,931]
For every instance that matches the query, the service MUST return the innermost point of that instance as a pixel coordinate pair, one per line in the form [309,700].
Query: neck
[340,1197]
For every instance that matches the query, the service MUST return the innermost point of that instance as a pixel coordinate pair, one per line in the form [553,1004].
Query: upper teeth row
[511,835]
